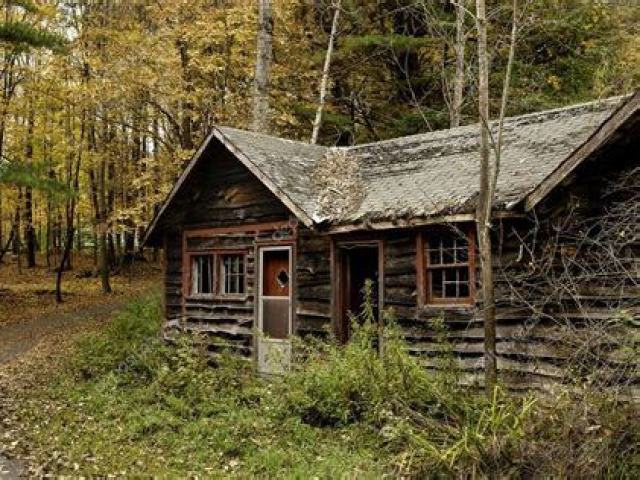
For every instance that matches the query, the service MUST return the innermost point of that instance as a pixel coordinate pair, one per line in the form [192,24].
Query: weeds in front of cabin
[130,404]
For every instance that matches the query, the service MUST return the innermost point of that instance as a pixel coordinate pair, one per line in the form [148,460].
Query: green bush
[425,421]
[130,343]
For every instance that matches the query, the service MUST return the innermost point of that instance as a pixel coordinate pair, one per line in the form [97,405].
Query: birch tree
[458,79]
[260,121]
[489,171]
[325,74]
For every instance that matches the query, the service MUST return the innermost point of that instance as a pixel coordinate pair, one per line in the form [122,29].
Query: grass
[124,402]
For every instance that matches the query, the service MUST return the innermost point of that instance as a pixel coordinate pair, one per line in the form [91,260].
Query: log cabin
[266,238]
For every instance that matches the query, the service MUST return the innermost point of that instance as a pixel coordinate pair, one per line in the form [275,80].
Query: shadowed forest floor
[27,294]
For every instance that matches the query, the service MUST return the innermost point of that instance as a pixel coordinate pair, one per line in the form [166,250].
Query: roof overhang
[600,137]
[417,222]
[242,158]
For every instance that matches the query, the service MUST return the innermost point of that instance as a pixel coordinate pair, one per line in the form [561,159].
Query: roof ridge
[267,135]
[451,131]
[609,101]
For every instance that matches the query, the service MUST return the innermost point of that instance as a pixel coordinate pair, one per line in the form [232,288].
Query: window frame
[192,257]
[217,292]
[424,266]
[220,254]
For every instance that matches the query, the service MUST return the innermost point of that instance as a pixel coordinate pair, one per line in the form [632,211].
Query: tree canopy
[123,92]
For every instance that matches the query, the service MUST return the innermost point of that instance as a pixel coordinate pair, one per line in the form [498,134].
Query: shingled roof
[287,163]
[437,173]
[418,176]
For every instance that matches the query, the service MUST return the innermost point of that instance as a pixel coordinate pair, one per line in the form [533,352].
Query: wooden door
[274,302]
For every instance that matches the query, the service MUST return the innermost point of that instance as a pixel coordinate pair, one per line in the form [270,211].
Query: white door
[274,309]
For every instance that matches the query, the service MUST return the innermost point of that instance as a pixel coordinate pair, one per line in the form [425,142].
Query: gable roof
[287,164]
[625,116]
[277,162]
[419,176]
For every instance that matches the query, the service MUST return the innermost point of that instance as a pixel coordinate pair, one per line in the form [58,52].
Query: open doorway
[357,263]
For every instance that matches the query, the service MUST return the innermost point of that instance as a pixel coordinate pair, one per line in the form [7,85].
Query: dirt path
[10,469]
[18,338]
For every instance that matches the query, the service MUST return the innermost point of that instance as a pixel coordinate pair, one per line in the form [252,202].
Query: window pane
[447,255]
[202,274]
[450,290]
[463,274]
[450,275]
[232,274]
[435,281]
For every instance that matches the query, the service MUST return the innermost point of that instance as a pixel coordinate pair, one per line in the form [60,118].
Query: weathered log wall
[313,284]
[220,198]
[173,276]
[221,192]
[562,285]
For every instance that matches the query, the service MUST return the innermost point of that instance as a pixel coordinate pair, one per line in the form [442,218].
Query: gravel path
[18,338]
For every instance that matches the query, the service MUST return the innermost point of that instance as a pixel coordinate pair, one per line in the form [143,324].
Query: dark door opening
[357,264]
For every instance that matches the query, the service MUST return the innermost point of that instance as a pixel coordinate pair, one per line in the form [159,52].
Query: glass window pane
[202,274]
[450,275]
[447,256]
[232,274]
[463,274]
[435,280]
[450,290]
[445,250]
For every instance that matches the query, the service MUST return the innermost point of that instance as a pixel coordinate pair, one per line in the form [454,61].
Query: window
[202,274]
[231,274]
[449,267]
[218,273]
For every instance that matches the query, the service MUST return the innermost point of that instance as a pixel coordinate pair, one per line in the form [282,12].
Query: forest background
[96,126]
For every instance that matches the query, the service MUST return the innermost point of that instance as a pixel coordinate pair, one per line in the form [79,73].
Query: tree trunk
[16,245]
[458,80]
[8,244]
[29,231]
[75,184]
[103,257]
[103,230]
[263,66]
[325,74]
[79,244]
[483,209]
[186,129]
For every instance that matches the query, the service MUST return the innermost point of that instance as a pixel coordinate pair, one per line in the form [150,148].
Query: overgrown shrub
[426,421]
[130,404]
[128,343]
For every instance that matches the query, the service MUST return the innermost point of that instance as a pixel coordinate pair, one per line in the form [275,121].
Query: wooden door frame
[260,249]
[337,296]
